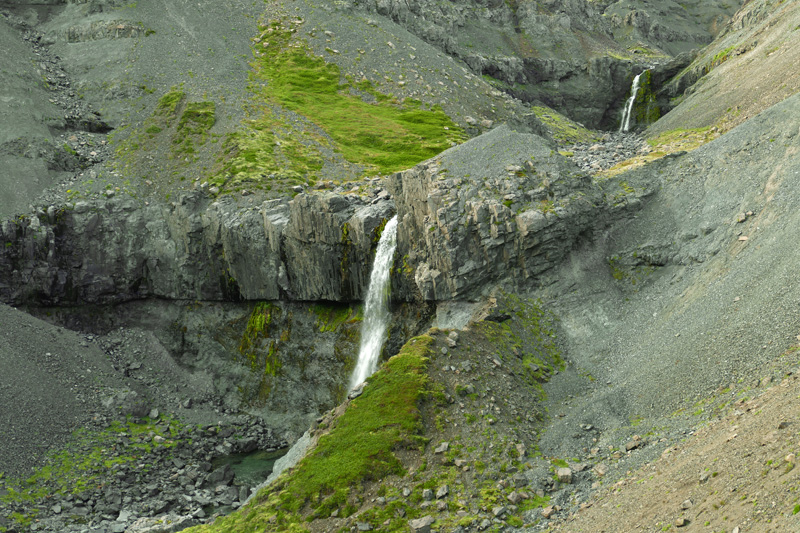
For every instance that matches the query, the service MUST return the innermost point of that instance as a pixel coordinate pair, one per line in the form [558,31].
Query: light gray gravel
[701,302]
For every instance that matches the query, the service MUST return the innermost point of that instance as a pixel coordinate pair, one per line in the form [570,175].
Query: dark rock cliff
[315,247]
[498,210]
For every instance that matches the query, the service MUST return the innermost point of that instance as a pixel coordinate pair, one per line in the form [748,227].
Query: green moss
[645,108]
[260,352]
[721,56]
[360,448]
[562,128]
[529,333]
[80,465]
[197,118]
[181,125]
[168,104]
[381,136]
[331,317]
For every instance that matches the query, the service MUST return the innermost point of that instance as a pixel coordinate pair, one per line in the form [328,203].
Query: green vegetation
[633,269]
[721,57]
[360,448]
[666,143]
[331,317]
[562,128]
[168,104]
[265,363]
[529,333]
[645,109]
[303,109]
[197,118]
[79,466]
[181,125]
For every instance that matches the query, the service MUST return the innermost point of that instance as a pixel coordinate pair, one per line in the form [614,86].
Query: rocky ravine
[678,278]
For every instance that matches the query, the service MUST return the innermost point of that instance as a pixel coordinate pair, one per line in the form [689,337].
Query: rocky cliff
[315,247]
[573,55]
[499,210]
[496,211]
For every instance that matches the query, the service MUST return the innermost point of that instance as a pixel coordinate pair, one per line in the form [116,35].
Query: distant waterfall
[376,307]
[625,125]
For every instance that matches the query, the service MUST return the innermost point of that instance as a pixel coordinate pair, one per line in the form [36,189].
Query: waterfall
[625,125]
[376,307]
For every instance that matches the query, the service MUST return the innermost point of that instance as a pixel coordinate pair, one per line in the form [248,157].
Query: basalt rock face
[500,210]
[573,55]
[315,247]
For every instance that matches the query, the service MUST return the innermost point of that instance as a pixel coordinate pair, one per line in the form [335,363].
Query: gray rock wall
[116,250]
[499,210]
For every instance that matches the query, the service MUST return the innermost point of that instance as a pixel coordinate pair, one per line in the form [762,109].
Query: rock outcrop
[498,210]
[315,247]
[573,55]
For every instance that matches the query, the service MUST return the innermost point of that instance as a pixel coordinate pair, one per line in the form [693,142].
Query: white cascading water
[625,125]
[376,307]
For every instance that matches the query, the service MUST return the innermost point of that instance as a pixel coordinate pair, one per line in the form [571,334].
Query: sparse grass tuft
[562,128]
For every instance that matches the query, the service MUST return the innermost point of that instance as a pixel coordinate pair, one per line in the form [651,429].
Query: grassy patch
[197,118]
[359,448]
[183,126]
[168,104]
[364,127]
[666,143]
[562,128]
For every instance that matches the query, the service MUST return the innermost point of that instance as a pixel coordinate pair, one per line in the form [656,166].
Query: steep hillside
[749,67]
[575,56]
[148,98]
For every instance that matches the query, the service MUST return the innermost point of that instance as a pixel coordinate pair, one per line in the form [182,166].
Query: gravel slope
[52,384]
[676,303]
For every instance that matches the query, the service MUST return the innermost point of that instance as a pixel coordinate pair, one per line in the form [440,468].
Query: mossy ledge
[360,447]
[297,125]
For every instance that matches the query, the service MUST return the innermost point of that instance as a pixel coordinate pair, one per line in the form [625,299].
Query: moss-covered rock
[645,108]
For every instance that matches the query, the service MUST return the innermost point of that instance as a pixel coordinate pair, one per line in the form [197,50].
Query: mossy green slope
[305,114]
[360,448]
[377,455]
[171,143]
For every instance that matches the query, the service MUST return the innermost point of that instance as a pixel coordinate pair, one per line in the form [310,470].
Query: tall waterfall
[376,307]
[625,125]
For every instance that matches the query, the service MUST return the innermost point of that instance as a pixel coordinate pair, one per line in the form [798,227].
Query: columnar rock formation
[499,210]
[315,247]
